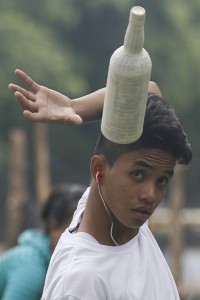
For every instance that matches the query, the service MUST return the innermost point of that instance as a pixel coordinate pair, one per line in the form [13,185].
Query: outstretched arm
[42,104]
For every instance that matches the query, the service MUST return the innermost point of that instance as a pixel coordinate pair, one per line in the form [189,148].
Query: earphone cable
[111,228]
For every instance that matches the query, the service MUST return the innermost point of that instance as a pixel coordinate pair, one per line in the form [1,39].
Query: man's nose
[149,193]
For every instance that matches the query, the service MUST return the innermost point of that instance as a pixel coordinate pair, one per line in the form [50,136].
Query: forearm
[153,88]
[90,107]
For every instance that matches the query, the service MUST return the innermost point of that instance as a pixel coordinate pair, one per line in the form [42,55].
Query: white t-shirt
[83,269]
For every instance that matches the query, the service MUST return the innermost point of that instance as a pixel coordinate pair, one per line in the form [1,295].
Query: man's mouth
[143,212]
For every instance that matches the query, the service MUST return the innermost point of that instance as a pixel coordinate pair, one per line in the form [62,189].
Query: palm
[49,109]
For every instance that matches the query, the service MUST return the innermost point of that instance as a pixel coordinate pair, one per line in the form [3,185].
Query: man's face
[136,183]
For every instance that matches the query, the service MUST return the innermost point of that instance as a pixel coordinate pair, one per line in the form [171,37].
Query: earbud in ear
[98,176]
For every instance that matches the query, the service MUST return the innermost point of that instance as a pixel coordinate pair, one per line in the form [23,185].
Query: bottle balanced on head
[127,84]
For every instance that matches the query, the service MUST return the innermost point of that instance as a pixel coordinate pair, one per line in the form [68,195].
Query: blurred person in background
[23,268]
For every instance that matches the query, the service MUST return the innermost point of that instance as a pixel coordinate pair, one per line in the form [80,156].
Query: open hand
[42,104]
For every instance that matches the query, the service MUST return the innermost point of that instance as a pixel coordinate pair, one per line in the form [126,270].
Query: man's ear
[97,164]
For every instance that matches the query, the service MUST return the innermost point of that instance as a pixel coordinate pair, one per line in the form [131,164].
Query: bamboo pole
[176,205]
[172,222]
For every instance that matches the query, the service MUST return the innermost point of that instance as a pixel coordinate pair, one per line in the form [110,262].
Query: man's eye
[163,181]
[137,175]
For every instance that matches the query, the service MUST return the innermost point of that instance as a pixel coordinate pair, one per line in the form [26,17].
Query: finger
[26,103]
[32,117]
[74,120]
[77,120]
[30,96]
[37,117]
[27,80]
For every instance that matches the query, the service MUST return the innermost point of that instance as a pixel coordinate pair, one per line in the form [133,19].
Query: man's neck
[97,222]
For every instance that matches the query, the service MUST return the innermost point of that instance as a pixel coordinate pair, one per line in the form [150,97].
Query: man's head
[162,130]
[133,178]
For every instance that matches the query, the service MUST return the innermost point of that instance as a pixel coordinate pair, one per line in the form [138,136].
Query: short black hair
[161,130]
[61,203]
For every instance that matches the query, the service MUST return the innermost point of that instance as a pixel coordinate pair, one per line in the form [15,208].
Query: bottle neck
[134,37]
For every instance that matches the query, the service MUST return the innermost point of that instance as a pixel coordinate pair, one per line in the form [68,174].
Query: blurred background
[66,45]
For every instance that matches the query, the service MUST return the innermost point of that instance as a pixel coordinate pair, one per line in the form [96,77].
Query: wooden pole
[42,168]
[17,186]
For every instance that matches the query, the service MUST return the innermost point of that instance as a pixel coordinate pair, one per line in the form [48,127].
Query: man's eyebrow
[143,163]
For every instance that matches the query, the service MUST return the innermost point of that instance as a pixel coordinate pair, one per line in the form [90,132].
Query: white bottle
[127,85]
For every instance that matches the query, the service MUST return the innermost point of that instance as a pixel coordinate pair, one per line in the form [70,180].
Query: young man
[108,251]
